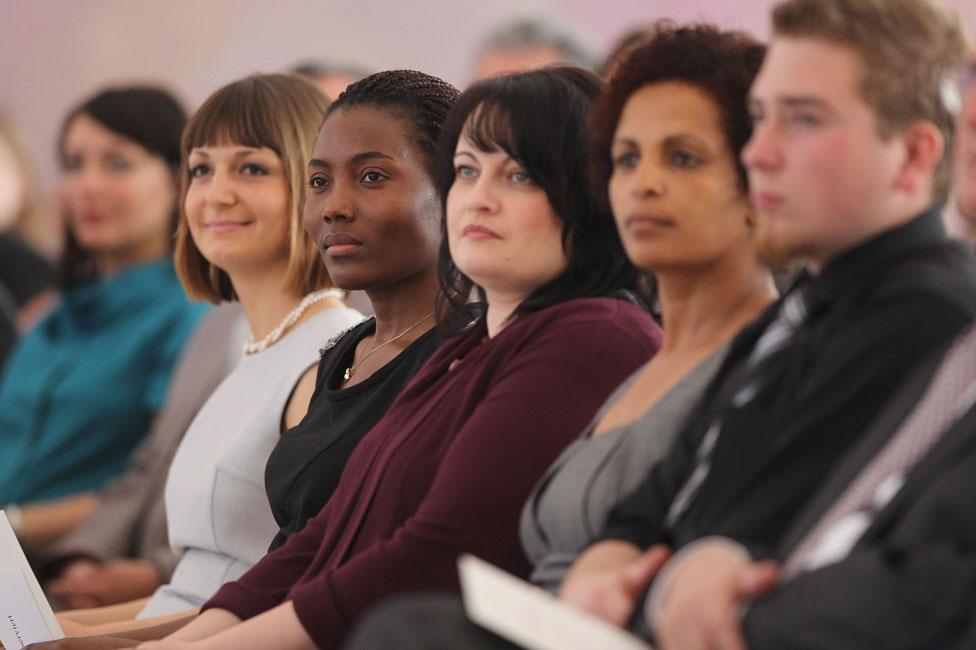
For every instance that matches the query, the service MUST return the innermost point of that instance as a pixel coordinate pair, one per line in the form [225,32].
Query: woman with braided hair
[446,470]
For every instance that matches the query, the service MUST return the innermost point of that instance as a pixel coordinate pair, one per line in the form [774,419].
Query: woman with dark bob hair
[666,137]
[447,468]
[493,117]
[81,388]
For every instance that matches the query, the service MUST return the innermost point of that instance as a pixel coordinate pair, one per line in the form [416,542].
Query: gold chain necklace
[346,375]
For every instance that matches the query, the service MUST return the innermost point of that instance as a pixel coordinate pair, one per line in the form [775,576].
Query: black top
[304,467]
[884,306]
[23,275]
[23,272]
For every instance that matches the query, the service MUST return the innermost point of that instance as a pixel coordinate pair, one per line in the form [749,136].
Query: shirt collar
[862,262]
[129,291]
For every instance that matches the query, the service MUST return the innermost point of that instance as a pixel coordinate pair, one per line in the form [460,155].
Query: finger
[642,571]
[758,579]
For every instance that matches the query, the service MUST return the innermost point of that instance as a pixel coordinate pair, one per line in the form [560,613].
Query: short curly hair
[721,63]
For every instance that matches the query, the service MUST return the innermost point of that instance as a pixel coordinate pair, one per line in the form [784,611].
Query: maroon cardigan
[449,466]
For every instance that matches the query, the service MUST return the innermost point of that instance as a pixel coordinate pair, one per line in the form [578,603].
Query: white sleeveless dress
[216,507]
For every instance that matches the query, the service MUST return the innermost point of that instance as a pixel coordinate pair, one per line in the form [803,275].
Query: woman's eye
[317,182]
[520,177]
[626,160]
[118,164]
[252,169]
[373,177]
[199,171]
[464,171]
[684,159]
[72,164]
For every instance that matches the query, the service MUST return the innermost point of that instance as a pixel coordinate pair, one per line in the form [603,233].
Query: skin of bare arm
[277,628]
[120,619]
[47,522]
[207,624]
[105,642]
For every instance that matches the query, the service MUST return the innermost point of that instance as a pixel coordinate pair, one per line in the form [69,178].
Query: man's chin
[777,249]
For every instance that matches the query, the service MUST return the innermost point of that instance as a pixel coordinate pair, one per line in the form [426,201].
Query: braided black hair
[422,99]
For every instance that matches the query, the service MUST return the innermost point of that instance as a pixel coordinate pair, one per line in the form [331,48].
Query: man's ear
[924,147]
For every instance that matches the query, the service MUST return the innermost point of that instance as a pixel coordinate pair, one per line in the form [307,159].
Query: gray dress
[217,511]
[569,506]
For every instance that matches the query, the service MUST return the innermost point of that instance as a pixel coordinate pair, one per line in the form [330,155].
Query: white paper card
[532,617]
[21,621]
[22,600]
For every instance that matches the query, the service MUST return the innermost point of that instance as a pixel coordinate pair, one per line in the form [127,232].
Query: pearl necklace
[253,347]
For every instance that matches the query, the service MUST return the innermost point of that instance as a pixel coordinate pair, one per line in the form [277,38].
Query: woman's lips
[475,231]
[339,244]
[638,222]
[224,226]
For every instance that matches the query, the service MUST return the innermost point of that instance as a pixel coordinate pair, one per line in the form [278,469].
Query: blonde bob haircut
[283,113]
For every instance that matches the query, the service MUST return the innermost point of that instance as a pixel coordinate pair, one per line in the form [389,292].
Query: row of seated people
[89,196]
[410,443]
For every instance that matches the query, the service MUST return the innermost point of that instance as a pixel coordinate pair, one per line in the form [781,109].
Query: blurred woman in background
[80,389]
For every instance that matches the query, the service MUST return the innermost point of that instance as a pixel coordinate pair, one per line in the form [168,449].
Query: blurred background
[56,53]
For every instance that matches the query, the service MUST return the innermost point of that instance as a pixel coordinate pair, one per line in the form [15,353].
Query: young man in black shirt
[865,564]
[849,166]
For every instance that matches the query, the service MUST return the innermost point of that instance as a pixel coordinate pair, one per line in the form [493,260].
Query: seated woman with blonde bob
[448,467]
[240,237]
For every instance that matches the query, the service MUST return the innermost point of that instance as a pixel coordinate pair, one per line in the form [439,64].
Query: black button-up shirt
[883,306]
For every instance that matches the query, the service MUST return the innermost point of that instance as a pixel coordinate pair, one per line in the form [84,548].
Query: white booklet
[532,617]
[25,615]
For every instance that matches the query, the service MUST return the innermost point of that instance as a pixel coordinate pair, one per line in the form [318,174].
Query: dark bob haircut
[721,63]
[150,117]
[539,119]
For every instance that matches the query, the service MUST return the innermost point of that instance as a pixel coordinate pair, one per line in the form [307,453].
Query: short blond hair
[278,111]
[908,48]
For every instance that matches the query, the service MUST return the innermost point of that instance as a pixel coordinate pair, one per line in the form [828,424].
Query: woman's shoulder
[601,312]
[349,337]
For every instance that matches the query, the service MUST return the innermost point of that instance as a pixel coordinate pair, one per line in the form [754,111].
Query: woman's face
[372,207]
[674,189]
[13,186]
[502,230]
[237,208]
[120,197]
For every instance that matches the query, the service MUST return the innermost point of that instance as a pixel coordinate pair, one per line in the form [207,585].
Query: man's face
[818,169]
[965,154]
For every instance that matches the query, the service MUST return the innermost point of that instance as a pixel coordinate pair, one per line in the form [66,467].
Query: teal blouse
[80,390]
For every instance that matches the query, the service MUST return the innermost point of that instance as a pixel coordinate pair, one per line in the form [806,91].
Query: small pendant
[347,374]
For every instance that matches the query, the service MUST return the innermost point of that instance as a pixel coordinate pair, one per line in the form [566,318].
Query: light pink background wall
[56,52]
